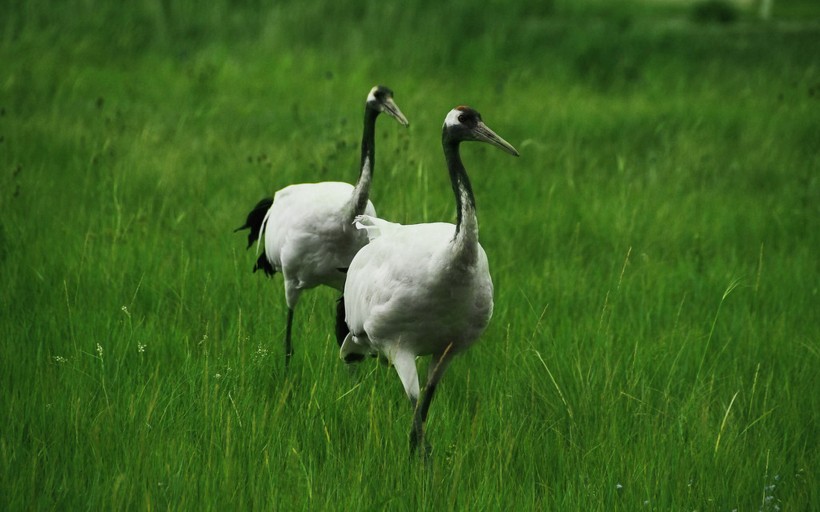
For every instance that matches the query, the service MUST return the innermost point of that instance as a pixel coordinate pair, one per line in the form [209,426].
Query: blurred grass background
[654,250]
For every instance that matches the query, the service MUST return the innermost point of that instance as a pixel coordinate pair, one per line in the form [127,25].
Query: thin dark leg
[341,326]
[288,344]
[434,372]
[420,417]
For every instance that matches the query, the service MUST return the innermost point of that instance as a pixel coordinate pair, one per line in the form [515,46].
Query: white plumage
[308,236]
[423,289]
[410,273]
[307,232]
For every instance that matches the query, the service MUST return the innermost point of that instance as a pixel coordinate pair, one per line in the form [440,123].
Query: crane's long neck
[361,193]
[465,242]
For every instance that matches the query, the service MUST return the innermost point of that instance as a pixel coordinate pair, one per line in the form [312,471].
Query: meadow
[655,343]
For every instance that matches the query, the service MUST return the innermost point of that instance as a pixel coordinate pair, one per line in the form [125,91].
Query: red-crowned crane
[306,231]
[423,289]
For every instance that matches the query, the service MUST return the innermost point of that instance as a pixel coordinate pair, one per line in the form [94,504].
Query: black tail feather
[254,221]
[262,263]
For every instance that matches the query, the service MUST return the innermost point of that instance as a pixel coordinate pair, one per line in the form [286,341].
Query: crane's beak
[483,133]
[393,110]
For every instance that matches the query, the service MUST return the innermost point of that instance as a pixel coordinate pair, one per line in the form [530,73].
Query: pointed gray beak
[393,110]
[483,133]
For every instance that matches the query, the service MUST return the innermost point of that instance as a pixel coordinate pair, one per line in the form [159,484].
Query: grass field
[656,339]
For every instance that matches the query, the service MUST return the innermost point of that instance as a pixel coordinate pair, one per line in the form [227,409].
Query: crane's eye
[462,118]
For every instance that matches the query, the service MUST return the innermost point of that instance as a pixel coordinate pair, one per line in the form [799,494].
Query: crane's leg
[434,372]
[405,365]
[288,343]
[292,293]
[341,326]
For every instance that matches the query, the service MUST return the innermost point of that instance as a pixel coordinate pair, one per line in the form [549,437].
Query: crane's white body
[309,238]
[409,294]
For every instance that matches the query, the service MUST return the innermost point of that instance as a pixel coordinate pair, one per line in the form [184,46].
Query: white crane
[307,229]
[423,289]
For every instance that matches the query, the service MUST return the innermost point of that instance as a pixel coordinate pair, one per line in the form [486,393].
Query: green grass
[654,249]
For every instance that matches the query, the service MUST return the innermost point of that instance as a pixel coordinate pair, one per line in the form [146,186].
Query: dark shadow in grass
[714,11]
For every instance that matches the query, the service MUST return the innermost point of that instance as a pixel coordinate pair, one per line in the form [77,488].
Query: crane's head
[380,99]
[464,123]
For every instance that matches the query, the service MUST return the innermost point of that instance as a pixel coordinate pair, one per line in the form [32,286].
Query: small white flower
[60,359]
[141,347]
[99,350]
[218,376]
[125,310]
[619,487]
[260,354]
